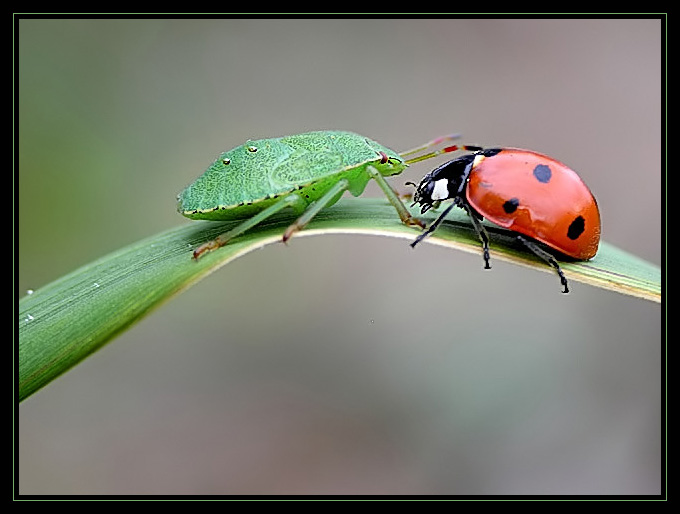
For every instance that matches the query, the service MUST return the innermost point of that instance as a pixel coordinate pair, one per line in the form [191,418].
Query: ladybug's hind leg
[539,252]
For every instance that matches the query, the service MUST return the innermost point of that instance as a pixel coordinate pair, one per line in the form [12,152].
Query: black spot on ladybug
[576,228]
[511,205]
[542,173]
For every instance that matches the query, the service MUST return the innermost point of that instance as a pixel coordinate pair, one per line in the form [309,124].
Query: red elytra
[537,196]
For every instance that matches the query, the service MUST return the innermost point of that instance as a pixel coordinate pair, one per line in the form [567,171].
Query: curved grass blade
[65,321]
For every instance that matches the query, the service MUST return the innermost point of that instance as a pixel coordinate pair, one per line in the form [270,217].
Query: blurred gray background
[341,364]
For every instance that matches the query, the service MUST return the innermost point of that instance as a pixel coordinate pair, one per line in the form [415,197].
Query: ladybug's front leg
[433,226]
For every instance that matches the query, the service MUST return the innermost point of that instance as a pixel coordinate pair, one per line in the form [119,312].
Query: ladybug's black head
[423,194]
[443,183]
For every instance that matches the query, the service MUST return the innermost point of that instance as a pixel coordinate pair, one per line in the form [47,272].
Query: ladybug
[524,191]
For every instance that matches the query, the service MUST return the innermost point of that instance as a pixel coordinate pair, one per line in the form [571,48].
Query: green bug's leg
[393,197]
[405,197]
[329,198]
[291,200]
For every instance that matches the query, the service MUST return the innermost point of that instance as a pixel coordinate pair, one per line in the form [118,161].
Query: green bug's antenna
[430,144]
[434,153]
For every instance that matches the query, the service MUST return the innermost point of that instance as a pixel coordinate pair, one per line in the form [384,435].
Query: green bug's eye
[385,159]
[252,148]
[226,161]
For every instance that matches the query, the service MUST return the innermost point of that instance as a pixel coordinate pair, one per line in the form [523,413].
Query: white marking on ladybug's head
[441,189]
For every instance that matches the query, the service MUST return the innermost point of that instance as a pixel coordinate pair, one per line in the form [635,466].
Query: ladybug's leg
[547,258]
[432,227]
[481,232]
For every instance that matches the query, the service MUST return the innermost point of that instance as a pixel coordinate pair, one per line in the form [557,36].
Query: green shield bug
[306,172]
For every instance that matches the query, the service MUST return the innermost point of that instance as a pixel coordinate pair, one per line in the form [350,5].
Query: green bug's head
[391,163]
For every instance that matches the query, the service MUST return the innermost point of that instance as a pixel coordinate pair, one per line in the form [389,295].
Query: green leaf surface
[68,319]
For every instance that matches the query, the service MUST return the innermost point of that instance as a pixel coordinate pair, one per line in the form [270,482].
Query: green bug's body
[306,172]
[307,164]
